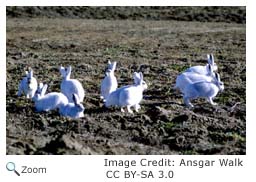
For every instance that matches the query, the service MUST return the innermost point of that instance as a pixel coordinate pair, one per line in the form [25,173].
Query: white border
[90,168]
[2,79]
[126,3]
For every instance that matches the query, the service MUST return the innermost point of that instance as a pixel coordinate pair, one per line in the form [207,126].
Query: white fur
[50,101]
[204,70]
[186,78]
[136,78]
[70,86]
[28,85]
[113,98]
[109,83]
[210,59]
[205,89]
[73,110]
[128,96]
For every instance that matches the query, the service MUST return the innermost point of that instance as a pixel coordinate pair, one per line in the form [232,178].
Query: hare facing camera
[28,85]
[109,83]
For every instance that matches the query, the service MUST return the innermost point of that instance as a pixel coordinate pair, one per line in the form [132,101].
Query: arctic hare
[186,78]
[73,110]
[205,89]
[128,96]
[109,83]
[50,101]
[28,85]
[70,86]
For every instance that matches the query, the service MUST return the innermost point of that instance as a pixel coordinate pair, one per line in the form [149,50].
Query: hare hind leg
[187,102]
[129,109]
[137,107]
[211,101]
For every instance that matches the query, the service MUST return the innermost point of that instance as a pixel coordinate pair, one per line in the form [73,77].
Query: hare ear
[30,73]
[44,89]
[69,70]
[114,65]
[62,71]
[208,57]
[75,99]
[135,75]
[217,76]
[212,59]
[40,85]
[210,69]
[141,76]
[61,68]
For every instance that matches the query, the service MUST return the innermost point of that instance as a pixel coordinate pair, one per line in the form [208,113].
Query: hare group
[196,81]
[127,96]
[200,81]
[68,101]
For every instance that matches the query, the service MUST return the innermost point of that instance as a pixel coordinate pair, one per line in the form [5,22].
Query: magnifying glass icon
[10,166]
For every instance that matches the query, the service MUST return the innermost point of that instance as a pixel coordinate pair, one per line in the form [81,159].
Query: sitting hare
[109,83]
[28,85]
[70,86]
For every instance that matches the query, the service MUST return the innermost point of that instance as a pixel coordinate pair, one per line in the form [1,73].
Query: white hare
[70,86]
[28,85]
[109,83]
[204,70]
[73,110]
[186,78]
[128,96]
[50,101]
[205,89]
[113,98]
